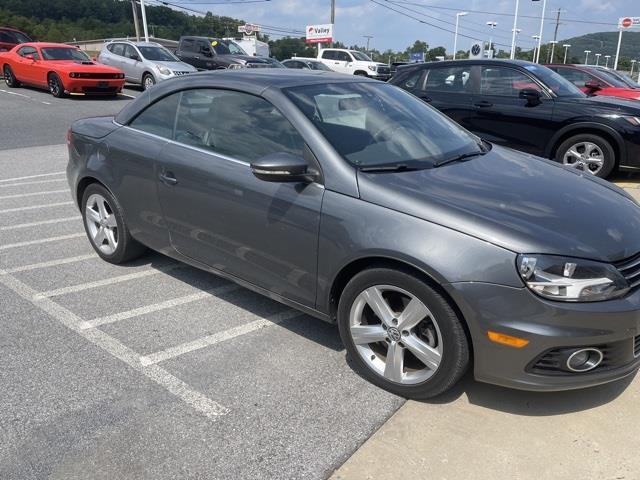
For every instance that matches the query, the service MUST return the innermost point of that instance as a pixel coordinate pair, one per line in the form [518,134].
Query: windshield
[62,53]
[373,124]
[21,37]
[157,54]
[219,47]
[235,48]
[555,82]
[319,66]
[360,56]
[609,78]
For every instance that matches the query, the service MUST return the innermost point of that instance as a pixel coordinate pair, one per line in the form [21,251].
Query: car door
[449,89]
[502,117]
[218,213]
[131,64]
[24,67]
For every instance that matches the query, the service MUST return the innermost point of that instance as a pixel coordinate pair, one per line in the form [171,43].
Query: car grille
[636,346]
[384,70]
[181,73]
[630,268]
[98,76]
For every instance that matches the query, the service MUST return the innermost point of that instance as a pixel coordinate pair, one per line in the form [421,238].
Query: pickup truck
[353,62]
[206,53]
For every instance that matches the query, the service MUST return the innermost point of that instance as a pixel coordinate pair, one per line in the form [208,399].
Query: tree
[287,47]
[436,52]
[418,47]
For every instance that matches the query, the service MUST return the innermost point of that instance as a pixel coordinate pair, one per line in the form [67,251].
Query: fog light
[584,360]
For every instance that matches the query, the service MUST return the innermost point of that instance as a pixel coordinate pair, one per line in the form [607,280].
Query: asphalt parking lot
[154,369]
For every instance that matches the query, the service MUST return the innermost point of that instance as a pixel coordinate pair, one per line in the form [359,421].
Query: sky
[390,29]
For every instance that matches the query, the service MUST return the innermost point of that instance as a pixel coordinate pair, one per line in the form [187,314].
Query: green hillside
[605,43]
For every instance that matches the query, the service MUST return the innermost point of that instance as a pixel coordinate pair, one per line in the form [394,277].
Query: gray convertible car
[353,201]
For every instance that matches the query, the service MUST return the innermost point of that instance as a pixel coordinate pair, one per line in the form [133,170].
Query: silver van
[144,63]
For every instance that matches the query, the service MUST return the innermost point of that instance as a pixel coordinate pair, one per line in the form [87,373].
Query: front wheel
[106,228]
[148,81]
[401,334]
[55,86]
[9,78]
[588,153]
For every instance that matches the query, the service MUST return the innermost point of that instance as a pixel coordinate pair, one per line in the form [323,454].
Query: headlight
[372,67]
[163,70]
[571,279]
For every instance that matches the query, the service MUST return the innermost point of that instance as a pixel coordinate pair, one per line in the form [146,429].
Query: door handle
[168,178]
[483,104]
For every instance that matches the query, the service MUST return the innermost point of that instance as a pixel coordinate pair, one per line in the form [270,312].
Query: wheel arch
[604,131]
[82,186]
[144,74]
[361,72]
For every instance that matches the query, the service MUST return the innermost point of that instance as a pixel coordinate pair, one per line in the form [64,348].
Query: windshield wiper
[399,167]
[458,158]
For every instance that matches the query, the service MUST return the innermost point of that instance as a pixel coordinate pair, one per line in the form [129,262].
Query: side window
[130,52]
[504,82]
[24,51]
[204,46]
[6,38]
[239,125]
[188,45]
[118,49]
[453,80]
[329,54]
[343,57]
[413,80]
[158,118]
[578,78]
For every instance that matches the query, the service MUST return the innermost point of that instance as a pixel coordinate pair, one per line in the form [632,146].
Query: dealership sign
[628,23]
[320,33]
[249,28]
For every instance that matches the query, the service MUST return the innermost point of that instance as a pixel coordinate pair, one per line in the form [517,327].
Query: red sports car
[60,68]
[593,81]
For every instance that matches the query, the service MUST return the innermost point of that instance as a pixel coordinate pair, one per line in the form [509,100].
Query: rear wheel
[148,81]
[55,86]
[588,153]
[401,334]
[106,228]
[9,78]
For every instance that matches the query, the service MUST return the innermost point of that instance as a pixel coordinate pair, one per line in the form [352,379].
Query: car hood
[81,67]
[176,66]
[233,58]
[517,201]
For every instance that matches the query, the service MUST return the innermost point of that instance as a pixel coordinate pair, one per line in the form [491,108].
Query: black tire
[56,87]
[9,77]
[148,81]
[455,346]
[128,248]
[609,155]
[360,73]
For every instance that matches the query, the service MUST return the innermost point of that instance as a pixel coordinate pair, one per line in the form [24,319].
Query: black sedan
[530,108]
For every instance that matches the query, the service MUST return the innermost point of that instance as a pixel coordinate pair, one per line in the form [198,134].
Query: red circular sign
[627,22]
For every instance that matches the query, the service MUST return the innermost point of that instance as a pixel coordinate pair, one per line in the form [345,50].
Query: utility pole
[135,19]
[515,27]
[555,35]
[368,37]
[144,21]
[544,9]
[333,18]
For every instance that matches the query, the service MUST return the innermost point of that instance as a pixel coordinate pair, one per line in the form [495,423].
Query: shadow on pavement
[520,402]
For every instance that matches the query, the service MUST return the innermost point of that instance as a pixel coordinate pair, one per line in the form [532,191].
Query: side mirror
[592,85]
[531,95]
[30,57]
[134,56]
[282,167]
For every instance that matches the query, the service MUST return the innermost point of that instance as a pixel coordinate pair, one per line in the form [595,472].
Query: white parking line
[159,375]
[41,240]
[37,224]
[33,194]
[24,96]
[136,312]
[128,96]
[35,207]
[38,182]
[204,342]
[2,180]
[108,281]
[52,263]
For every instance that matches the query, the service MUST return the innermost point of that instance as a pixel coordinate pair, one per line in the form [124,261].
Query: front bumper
[613,324]
[93,86]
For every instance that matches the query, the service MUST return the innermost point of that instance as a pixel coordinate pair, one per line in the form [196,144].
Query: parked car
[143,63]
[10,37]
[248,46]
[630,82]
[353,62]
[206,53]
[273,63]
[593,81]
[305,64]
[529,107]
[60,68]
[357,203]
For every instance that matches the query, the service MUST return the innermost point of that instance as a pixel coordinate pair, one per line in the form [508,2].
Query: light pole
[586,58]
[633,62]
[544,8]
[566,50]
[535,47]
[518,30]
[368,37]
[515,26]
[492,25]
[598,59]
[607,57]
[553,50]
[144,21]
[455,37]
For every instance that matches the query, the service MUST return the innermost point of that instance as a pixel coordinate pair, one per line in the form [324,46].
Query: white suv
[353,62]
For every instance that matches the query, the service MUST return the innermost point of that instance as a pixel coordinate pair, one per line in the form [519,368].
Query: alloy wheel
[8,76]
[585,156]
[395,334]
[101,224]
[54,86]
[148,82]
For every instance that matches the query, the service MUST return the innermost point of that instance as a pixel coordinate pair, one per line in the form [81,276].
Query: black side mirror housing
[531,95]
[283,167]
